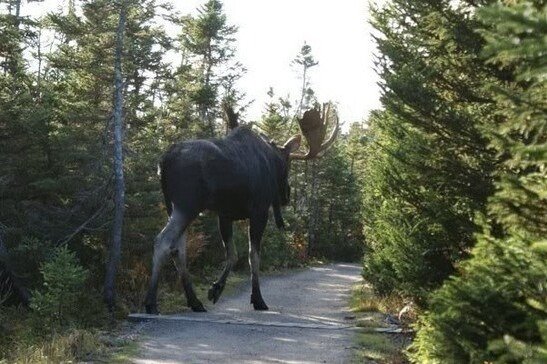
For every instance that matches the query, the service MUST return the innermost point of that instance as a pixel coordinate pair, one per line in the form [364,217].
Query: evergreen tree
[339,227]
[331,223]
[208,70]
[495,310]
[428,166]
[275,122]
[25,142]
[305,60]
[58,135]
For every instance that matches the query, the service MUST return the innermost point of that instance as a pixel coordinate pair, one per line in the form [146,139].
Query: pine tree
[25,142]
[59,133]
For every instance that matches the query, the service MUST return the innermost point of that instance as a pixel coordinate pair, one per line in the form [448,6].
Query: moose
[238,177]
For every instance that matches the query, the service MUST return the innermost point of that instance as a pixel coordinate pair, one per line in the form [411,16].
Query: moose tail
[277,215]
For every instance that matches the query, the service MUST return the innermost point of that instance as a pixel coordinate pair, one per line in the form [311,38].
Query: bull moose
[238,177]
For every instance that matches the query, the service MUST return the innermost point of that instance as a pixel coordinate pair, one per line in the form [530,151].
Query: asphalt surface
[308,322]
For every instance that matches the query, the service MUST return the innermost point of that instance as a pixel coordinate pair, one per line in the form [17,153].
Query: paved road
[306,324]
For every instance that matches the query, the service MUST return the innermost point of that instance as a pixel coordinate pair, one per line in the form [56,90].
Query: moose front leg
[226,232]
[256,229]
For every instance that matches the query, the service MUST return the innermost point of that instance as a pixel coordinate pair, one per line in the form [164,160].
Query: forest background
[443,189]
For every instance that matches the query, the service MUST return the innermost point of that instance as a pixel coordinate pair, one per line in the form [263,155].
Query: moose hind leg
[160,254]
[193,302]
[256,229]
[226,232]
[163,246]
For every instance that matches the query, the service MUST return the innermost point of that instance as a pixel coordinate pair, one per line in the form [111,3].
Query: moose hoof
[259,305]
[151,309]
[198,307]
[214,292]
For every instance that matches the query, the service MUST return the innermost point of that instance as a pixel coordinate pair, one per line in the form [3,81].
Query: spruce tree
[428,163]
[495,310]
[208,70]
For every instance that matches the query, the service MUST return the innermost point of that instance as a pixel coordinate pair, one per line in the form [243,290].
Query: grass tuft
[371,310]
[72,346]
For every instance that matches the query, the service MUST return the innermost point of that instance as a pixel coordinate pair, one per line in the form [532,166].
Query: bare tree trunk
[303,91]
[302,192]
[119,186]
[17,13]
[13,59]
[313,208]
[207,116]
[304,187]
[71,7]
[39,55]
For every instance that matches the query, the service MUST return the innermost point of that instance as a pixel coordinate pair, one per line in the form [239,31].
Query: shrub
[57,303]
[492,298]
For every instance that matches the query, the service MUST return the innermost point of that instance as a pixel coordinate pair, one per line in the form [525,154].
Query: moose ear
[293,144]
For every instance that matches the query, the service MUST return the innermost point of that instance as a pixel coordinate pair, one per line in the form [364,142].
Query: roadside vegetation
[455,193]
[374,313]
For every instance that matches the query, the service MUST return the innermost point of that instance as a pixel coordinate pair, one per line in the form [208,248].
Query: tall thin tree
[119,185]
[304,60]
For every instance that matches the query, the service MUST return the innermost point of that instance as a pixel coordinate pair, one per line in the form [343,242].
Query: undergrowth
[371,312]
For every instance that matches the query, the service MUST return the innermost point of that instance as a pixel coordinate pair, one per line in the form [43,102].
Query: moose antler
[313,125]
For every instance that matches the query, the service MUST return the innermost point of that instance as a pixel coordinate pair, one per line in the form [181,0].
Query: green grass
[378,348]
[74,345]
[124,353]
[25,340]
[370,310]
